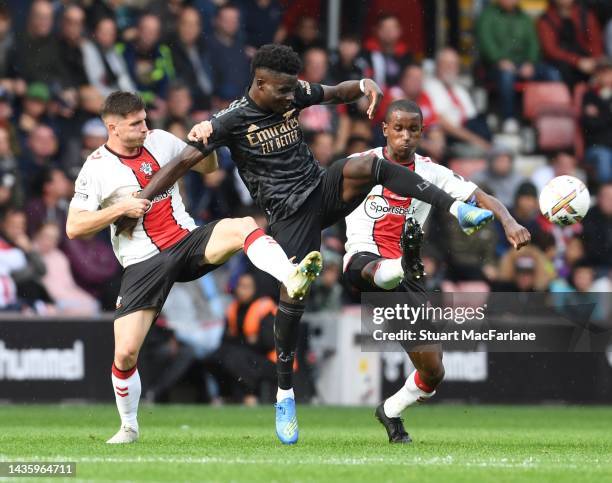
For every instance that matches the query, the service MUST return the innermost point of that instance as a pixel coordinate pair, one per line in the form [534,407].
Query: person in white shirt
[166,245]
[453,104]
[383,244]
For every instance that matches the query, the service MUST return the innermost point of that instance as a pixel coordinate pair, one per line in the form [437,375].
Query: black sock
[404,182]
[286,330]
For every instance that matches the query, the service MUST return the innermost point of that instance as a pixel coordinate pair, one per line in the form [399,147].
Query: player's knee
[243,227]
[126,356]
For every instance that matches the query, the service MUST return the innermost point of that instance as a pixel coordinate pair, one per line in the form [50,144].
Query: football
[565,200]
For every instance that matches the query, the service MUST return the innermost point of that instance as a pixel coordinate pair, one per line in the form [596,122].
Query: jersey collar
[121,156]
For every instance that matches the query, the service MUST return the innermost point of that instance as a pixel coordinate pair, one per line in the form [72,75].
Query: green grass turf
[200,443]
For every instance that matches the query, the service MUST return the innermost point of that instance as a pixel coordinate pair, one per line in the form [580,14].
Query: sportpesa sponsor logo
[377,206]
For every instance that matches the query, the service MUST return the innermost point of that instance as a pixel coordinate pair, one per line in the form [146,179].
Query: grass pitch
[200,443]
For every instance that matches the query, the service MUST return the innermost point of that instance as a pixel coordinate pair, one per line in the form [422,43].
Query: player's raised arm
[516,234]
[351,91]
[165,178]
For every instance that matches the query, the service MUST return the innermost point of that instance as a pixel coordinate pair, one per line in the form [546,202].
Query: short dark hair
[278,58]
[122,103]
[405,105]
[383,17]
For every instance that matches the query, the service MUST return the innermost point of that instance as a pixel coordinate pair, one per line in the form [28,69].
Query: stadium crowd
[189,59]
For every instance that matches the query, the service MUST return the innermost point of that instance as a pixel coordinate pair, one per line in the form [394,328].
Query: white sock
[388,273]
[284,394]
[267,255]
[126,385]
[407,395]
[454,209]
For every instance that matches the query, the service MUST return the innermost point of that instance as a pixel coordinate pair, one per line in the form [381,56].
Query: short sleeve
[452,183]
[308,94]
[218,138]
[87,194]
[166,143]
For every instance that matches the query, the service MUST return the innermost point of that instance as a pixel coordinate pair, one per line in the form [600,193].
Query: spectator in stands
[36,54]
[597,230]
[433,141]
[190,58]
[41,151]
[33,109]
[571,39]
[596,123]
[180,105]
[230,65]
[388,59]
[95,268]
[577,296]
[247,353]
[149,61]
[11,189]
[70,41]
[69,298]
[49,204]
[500,176]
[347,63]
[357,144]
[7,40]
[523,271]
[562,163]
[453,105]
[326,291]
[28,275]
[526,209]
[105,68]
[330,118]
[470,258]
[322,147]
[509,61]
[306,35]
[262,19]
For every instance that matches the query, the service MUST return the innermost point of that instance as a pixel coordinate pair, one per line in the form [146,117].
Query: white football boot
[305,272]
[125,435]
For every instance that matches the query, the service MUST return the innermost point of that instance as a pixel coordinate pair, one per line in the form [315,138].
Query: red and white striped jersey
[107,177]
[376,225]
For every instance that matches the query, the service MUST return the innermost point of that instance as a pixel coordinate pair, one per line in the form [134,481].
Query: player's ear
[259,82]
[384,128]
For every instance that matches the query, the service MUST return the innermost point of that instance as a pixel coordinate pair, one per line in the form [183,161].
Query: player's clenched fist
[135,207]
[201,132]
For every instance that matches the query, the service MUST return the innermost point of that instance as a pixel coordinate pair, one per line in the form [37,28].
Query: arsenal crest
[147,169]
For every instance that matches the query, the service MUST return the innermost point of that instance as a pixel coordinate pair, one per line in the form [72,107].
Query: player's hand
[135,207]
[374,95]
[517,235]
[201,132]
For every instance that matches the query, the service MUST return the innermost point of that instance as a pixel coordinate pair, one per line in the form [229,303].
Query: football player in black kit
[298,196]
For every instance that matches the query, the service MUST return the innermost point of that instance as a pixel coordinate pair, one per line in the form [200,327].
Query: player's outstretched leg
[419,386]
[130,331]
[231,234]
[361,173]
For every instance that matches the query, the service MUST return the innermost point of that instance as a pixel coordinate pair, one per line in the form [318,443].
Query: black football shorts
[146,284]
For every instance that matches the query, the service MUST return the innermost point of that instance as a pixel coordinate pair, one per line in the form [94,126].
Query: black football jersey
[270,153]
